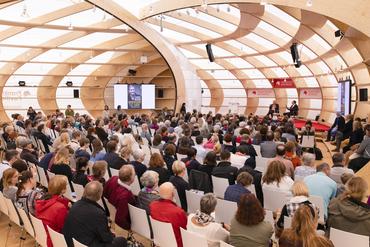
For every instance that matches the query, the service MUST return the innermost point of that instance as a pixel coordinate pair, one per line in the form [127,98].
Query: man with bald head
[118,192]
[87,221]
[166,210]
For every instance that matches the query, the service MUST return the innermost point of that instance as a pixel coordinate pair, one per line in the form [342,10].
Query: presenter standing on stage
[293,109]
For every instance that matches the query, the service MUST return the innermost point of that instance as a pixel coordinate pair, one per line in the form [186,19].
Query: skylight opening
[239,45]
[205,64]
[265,60]
[288,19]
[55,55]
[92,40]
[34,36]
[261,41]
[274,31]
[173,35]
[238,62]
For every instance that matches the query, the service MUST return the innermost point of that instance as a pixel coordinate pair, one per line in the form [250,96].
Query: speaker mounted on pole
[210,53]
[295,55]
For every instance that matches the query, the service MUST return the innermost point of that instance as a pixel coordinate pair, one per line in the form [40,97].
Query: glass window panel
[253,73]
[205,64]
[203,84]
[27,10]
[239,63]
[55,55]
[304,71]
[285,56]
[265,60]
[30,80]
[34,36]
[261,41]
[9,53]
[320,41]
[239,45]
[274,31]
[84,18]
[105,57]
[262,83]
[331,80]
[16,98]
[331,25]
[192,27]
[35,68]
[206,101]
[173,35]
[4,27]
[323,67]
[265,102]
[271,9]
[188,53]
[84,69]
[230,84]
[91,40]
[75,103]
[310,54]
[261,111]
[311,114]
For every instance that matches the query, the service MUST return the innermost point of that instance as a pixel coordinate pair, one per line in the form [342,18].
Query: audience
[118,192]
[179,170]
[224,169]
[80,176]
[9,158]
[280,153]
[250,167]
[165,210]
[275,177]
[27,192]
[363,152]
[149,193]
[139,157]
[99,170]
[307,168]
[169,156]
[157,164]
[235,191]
[268,147]
[87,221]
[203,223]
[53,208]
[338,168]
[10,181]
[61,164]
[248,228]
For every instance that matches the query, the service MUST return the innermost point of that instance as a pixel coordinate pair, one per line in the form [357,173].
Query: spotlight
[339,34]
[309,3]
[69,83]
[131,72]
[22,83]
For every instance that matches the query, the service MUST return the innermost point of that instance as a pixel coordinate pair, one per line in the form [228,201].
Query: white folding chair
[269,217]
[26,222]
[57,238]
[78,244]
[135,186]
[238,160]
[181,156]
[79,190]
[252,189]
[12,212]
[114,172]
[191,239]
[274,199]
[318,201]
[42,175]
[261,163]
[219,186]
[3,206]
[225,211]
[41,237]
[344,239]
[223,244]
[258,149]
[106,175]
[163,233]
[177,199]
[41,146]
[50,174]
[193,201]
[139,221]
[112,210]
[287,222]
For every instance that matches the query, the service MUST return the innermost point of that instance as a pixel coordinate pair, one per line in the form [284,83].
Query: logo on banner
[282,83]
[310,93]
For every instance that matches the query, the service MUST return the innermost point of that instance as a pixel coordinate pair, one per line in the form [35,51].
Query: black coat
[139,168]
[348,128]
[113,160]
[339,122]
[257,177]
[225,170]
[181,186]
[164,174]
[103,136]
[45,140]
[88,224]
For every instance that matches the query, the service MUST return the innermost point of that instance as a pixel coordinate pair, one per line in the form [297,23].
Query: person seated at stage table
[273,109]
[293,109]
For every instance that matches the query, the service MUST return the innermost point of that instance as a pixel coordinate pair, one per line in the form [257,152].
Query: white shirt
[74,144]
[337,171]
[285,184]
[3,166]
[214,232]
[201,151]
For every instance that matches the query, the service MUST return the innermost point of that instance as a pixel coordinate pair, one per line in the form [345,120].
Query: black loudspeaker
[210,53]
[131,72]
[76,93]
[295,55]
[22,83]
[69,83]
[363,94]
[160,93]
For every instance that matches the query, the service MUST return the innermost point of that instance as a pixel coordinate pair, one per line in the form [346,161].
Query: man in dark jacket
[224,168]
[111,157]
[249,166]
[46,141]
[339,123]
[88,223]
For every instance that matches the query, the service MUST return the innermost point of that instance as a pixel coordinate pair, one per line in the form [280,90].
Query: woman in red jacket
[53,208]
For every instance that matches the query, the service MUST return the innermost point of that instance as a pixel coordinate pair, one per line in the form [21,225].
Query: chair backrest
[191,239]
[41,237]
[181,156]
[112,210]
[78,244]
[261,163]
[57,238]
[79,190]
[344,239]
[274,199]
[3,206]
[318,201]
[287,222]
[69,194]
[223,244]
[177,199]
[258,149]
[225,211]
[155,150]
[269,217]
[26,222]
[12,212]
[114,172]
[252,189]
[50,174]
[238,160]
[42,175]
[193,200]
[139,221]
[135,186]
[219,186]
[41,146]
[163,233]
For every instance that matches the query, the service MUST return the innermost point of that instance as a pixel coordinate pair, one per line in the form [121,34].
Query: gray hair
[93,191]
[138,154]
[216,128]
[308,159]
[208,203]
[322,167]
[150,179]
[337,157]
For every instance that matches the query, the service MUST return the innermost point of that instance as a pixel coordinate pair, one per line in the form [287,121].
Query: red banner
[310,93]
[261,93]
[282,83]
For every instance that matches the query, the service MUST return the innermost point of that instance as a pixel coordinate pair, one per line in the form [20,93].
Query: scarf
[203,218]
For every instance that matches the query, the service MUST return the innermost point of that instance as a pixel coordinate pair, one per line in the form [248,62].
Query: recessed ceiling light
[309,3]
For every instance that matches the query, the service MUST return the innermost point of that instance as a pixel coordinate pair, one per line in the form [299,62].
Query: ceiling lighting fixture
[187,12]
[161,17]
[309,3]
[218,8]
[24,13]
[70,27]
[151,9]
[204,4]
[228,8]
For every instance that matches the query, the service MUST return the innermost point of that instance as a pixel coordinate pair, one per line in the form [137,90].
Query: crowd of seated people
[171,154]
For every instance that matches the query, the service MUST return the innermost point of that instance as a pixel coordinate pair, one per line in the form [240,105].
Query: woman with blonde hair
[10,180]
[157,164]
[62,141]
[275,177]
[303,231]
[349,212]
[61,164]
[300,197]
[53,208]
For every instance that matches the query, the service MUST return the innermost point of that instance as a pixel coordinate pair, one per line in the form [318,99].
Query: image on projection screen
[344,97]
[134,96]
